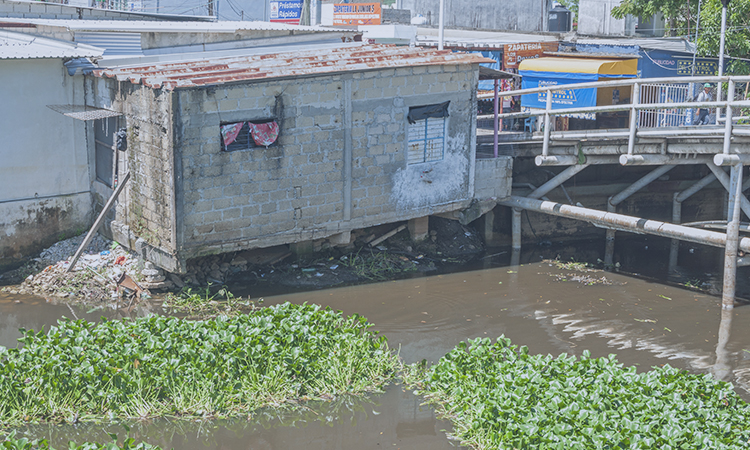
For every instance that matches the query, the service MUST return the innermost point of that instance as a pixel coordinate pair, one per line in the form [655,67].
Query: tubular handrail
[633,107]
[623,82]
[623,107]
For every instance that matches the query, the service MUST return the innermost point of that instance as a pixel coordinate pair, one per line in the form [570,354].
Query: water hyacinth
[500,397]
[160,366]
[12,443]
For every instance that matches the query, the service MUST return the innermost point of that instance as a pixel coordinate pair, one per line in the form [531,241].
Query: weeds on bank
[204,302]
[377,265]
[161,366]
[499,396]
[13,443]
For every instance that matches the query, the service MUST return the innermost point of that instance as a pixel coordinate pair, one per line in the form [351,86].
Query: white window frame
[426,140]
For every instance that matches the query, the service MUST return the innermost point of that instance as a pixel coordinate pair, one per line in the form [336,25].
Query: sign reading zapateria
[513,54]
[356,14]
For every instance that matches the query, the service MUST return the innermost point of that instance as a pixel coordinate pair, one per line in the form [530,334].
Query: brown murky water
[538,305]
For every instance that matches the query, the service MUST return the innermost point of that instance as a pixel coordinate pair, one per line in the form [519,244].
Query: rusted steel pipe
[633,117]
[547,123]
[495,119]
[689,192]
[572,160]
[725,181]
[621,221]
[732,238]
[640,184]
[556,181]
[653,160]
[728,123]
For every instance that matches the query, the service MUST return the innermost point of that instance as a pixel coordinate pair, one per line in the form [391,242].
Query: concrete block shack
[236,153]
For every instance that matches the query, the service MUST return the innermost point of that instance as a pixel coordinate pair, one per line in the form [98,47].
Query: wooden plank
[98,222]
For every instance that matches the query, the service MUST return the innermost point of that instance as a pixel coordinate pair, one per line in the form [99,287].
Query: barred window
[427,133]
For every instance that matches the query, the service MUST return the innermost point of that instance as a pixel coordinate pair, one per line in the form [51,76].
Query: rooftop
[344,58]
[146,26]
[24,46]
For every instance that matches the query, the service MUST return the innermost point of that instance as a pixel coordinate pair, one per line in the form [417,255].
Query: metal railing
[649,106]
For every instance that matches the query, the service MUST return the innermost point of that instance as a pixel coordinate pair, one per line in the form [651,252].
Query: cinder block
[222,203]
[268,208]
[250,211]
[232,213]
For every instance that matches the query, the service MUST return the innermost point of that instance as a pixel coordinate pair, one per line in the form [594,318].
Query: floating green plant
[13,443]
[499,396]
[161,366]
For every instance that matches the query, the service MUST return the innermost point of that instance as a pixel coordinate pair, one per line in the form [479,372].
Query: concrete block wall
[494,177]
[339,164]
[145,209]
[513,15]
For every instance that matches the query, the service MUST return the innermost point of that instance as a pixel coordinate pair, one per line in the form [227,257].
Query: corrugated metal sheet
[81,112]
[24,46]
[150,26]
[114,44]
[213,71]
[473,39]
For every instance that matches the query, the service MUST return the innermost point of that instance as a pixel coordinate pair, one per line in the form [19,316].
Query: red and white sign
[513,54]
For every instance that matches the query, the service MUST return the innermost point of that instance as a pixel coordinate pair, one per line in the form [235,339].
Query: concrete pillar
[419,228]
[516,229]
[304,248]
[344,238]
[675,244]
[609,244]
[488,221]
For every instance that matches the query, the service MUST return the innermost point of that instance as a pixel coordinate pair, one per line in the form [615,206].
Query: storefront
[551,71]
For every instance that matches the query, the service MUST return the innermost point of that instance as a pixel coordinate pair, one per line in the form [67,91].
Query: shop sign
[356,14]
[513,54]
[287,11]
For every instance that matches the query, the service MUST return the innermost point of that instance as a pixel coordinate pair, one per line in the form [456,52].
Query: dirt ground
[266,270]
[449,243]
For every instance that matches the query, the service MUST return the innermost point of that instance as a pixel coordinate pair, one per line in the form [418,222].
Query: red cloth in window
[230,132]
[264,134]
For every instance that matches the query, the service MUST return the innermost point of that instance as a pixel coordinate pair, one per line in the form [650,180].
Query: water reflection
[722,368]
[391,420]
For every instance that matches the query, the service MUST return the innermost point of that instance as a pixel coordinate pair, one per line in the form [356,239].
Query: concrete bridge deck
[725,144]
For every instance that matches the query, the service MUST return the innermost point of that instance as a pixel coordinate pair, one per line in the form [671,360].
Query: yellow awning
[581,65]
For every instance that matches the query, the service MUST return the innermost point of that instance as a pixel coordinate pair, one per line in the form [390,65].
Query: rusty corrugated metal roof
[214,71]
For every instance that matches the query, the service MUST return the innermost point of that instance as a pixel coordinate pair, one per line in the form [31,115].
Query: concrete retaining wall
[516,15]
[44,174]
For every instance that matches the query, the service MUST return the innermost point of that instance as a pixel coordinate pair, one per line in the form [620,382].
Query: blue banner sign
[287,11]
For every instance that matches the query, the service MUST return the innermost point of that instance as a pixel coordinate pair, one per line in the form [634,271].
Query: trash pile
[105,271]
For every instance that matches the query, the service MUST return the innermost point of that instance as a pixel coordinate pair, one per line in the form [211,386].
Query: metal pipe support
[621,221]
[557,180]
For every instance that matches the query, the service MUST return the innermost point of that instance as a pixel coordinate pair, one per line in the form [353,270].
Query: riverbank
[99,275]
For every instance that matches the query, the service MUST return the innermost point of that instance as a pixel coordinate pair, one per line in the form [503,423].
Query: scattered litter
[334,267]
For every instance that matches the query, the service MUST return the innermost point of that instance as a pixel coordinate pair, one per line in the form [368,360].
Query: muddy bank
[107,272]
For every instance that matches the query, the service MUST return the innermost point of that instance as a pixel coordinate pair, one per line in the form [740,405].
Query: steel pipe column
[724,180]
[732,238]
[677,200]
[612,202]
